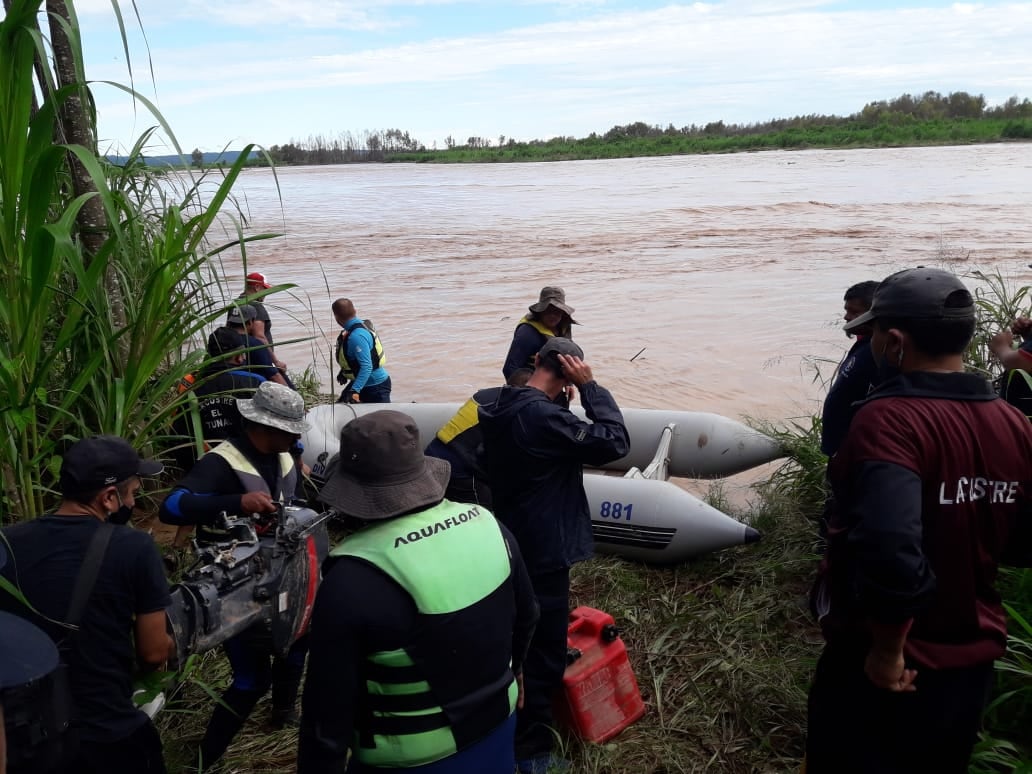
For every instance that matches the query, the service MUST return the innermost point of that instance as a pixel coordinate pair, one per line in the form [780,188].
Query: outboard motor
[244,579]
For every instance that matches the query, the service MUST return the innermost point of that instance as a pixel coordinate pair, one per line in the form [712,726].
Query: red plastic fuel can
[600,696]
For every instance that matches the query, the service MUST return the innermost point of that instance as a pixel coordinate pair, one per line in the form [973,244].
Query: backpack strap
[87,577]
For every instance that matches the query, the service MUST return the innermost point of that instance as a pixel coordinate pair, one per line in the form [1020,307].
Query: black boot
[286,683]
[226,720]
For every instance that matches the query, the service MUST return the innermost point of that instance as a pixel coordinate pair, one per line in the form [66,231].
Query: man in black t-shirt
[258,355]
[123,626]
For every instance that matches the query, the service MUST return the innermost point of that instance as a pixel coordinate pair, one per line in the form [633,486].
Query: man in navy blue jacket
[259,360]
[535,450]
[855,376]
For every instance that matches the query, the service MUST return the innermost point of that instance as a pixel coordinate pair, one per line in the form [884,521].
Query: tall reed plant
[998,302]
[94,333]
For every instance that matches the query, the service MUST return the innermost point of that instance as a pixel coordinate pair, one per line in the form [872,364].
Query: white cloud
[694,63]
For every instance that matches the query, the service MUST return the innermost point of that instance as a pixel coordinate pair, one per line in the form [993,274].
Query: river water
[709,283]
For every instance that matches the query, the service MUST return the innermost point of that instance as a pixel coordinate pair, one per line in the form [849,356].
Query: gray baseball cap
[559,345]
[916,294]
[240,315]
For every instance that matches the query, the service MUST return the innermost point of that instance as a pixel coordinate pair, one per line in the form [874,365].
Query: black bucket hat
[381,471]
[552,296]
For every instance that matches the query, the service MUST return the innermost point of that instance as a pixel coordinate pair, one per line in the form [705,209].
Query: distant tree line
[346,147]
[904,111]
[930,106]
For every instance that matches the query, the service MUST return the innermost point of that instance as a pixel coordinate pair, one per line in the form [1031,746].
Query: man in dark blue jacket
[855,376]
[535,450]
[258,359]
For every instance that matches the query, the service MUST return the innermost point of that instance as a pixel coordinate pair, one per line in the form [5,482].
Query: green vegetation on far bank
[929,119]
[932,132]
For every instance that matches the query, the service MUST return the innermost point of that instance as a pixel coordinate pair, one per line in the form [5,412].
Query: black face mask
[122,515]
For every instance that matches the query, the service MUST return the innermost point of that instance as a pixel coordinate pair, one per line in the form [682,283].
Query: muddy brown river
[701,282]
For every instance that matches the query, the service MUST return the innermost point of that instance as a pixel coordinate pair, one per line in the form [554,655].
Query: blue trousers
[491,755]
[371,393]
[255,670]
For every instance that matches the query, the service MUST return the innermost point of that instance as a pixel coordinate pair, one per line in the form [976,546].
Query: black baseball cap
[224,342]
[26,653]
[100,461]
[917,294]
[560,345]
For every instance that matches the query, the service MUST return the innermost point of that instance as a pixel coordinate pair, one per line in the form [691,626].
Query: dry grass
[255,749]
[723,649]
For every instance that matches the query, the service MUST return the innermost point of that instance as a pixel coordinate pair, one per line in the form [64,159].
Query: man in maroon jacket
[933,486]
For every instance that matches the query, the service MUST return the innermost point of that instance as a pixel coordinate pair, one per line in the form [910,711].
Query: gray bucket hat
[551,296]
[381,471]
[274,405]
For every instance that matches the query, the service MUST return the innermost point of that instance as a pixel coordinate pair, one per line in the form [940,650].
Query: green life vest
[420,705]
[348,367]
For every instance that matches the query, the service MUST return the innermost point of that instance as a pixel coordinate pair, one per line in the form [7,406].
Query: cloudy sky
[229,72]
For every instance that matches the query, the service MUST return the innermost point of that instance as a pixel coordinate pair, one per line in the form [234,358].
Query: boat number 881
[611,510]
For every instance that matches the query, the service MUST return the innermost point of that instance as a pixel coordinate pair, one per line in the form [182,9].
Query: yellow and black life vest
[541,328]
[348,366]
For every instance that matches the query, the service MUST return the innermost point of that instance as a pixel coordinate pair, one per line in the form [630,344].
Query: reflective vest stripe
[250,479]
[537,325]
[464,419]
[349,368]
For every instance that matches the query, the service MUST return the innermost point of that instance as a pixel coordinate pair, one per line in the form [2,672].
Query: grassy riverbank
[723,650]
